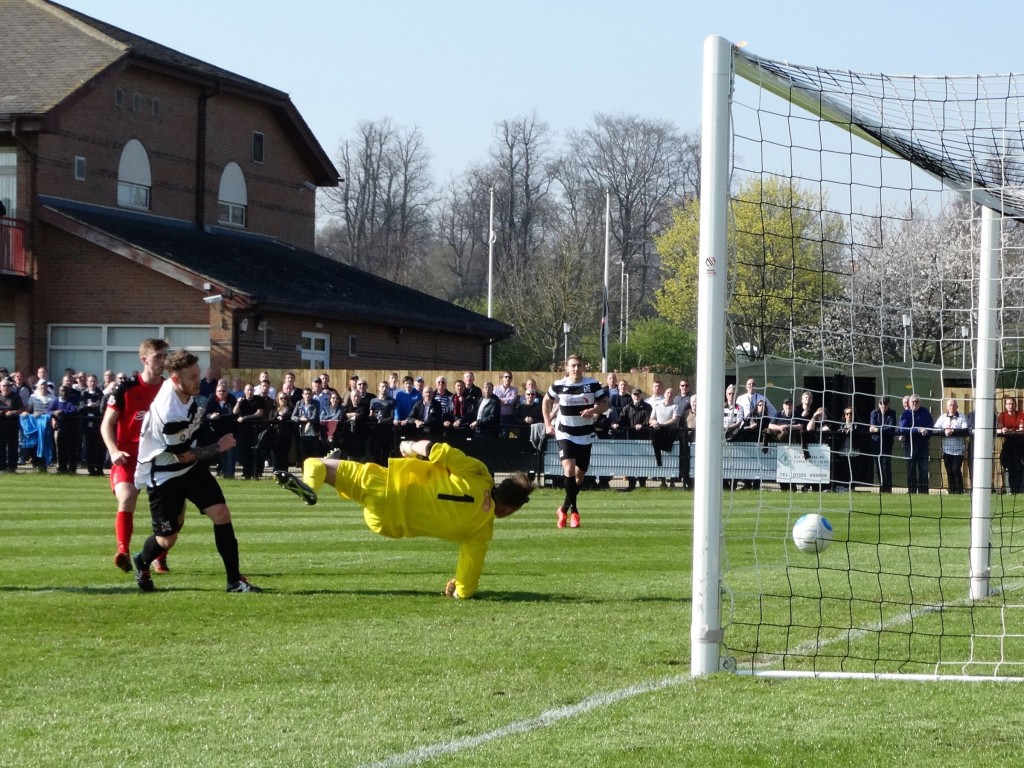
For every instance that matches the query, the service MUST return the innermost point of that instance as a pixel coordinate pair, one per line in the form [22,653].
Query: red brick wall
[80,283]
[278,203]
[376,346]
[95,128]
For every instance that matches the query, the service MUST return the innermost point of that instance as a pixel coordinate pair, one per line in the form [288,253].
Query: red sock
[124,523]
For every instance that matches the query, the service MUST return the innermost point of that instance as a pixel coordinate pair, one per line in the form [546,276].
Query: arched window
[134,180]
[232,198]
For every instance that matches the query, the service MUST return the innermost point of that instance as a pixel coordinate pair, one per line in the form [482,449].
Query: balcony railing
[12,247]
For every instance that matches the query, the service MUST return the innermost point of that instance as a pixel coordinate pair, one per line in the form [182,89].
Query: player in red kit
[122,424]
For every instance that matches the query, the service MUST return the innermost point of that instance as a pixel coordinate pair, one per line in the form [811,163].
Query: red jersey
[131,399]
[1014,422]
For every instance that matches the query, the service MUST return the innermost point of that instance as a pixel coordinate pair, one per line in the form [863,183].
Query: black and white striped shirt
[573,398]
[167,433]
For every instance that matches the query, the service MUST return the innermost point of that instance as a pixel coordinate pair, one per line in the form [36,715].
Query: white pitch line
[543,720]
[811,646]
[552,716]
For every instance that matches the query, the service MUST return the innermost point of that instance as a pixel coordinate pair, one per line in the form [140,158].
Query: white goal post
[850,271]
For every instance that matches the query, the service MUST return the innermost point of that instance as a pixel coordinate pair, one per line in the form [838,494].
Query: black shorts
[567,449]
[167,501]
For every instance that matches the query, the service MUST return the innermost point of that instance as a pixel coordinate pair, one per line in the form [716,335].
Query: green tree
[786,257]
[658,345]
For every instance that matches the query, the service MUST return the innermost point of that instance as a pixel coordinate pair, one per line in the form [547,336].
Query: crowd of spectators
[47,424]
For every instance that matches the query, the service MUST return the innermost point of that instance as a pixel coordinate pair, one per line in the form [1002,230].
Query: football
[812,533]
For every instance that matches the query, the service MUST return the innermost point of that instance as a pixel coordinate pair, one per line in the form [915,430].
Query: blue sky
[454,68]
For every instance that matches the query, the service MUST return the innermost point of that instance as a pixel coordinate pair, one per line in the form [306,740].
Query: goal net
[861,255]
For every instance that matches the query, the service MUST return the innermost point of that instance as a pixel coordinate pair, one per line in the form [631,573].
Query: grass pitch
[575,652]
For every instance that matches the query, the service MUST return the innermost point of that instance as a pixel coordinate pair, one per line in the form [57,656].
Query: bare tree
[462,228]
[520,174]
[648,168]
[380,218]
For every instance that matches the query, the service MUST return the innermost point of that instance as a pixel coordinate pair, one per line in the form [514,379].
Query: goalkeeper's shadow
[542,597]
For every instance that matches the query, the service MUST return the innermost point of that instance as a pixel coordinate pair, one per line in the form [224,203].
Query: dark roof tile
[279,276]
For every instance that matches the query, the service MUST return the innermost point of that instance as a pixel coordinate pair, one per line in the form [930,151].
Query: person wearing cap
[434,490]
[634,421]
[882,427]
[784,424]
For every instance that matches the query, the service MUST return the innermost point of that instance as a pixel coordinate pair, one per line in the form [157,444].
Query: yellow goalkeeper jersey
[447,497]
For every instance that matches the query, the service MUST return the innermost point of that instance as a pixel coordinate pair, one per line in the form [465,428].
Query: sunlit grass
[351,656]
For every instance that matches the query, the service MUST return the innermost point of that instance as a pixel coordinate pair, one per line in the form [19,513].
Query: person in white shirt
[954,428]
[664,426]
[173,470]
[749,399]
[580,400]
[732,413]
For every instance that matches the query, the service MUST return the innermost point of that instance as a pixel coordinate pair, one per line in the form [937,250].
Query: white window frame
[9,181]
[79,168]
[231,214]
[162,331]
[318,359]
[232,197]
[134,177]
[7,350]
[132,195]
[353,346]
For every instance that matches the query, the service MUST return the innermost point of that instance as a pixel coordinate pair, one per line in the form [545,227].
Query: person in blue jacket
[916,428]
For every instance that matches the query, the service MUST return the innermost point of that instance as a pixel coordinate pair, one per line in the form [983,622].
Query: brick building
[148,193]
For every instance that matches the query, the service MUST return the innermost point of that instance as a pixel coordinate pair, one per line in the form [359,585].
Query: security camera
[309,185]
[215,299]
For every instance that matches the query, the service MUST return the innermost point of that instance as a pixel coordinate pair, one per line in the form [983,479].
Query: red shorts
[123,473]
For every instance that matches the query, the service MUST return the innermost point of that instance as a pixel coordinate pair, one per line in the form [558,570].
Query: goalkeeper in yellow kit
[436,490]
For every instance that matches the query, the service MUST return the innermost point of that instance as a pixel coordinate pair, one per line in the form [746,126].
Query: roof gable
[33,36]
[51,52]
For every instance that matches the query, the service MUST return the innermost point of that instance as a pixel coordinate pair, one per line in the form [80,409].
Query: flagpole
[604,303]
[490,281]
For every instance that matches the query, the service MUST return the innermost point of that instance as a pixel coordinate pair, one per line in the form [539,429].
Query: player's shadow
[539,597]
[495,596]
[93,590]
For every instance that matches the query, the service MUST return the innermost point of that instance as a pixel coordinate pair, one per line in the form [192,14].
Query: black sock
[151,550]
[227,548]
[572,490]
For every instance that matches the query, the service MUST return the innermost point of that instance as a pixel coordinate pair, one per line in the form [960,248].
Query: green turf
[351,657]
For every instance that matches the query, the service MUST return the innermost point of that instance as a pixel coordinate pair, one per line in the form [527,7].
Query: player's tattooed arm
[205,452]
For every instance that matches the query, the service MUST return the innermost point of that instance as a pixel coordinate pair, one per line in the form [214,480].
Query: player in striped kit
[580,401]
[172,469]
